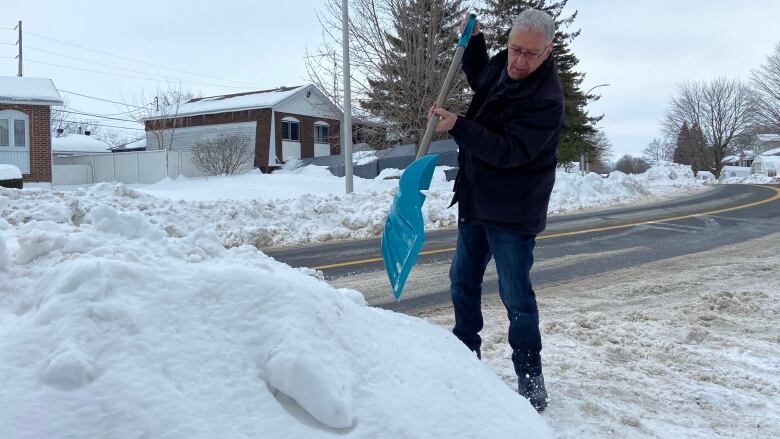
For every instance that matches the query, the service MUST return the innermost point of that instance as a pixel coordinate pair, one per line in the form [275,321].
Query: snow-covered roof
[32,91]
[768,159]
[136,144]
[79,143]
[768,137]
[235,102]
[775,151]
[730,158]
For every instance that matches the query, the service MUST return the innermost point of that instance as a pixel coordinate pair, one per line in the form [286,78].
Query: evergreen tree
[682,151]
[496,21]
[420,52]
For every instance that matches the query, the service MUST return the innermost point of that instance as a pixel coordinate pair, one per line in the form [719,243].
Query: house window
[320,133]
[20,133]
[5,138]
[291,130]
[13,129]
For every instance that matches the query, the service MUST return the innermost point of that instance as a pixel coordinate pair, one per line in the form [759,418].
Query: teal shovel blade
[404,232]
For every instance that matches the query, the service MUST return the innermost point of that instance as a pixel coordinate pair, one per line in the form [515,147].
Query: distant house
[25,125]
[280,124]
[134,146]
[744,159]
[765,142]
[78,144]
[768,165]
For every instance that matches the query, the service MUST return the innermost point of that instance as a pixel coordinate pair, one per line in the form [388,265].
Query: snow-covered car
[10,176]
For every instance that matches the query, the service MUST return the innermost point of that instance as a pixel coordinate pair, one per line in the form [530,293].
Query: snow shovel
[404,232]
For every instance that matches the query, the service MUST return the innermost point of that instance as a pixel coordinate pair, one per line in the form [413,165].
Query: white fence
[144,167]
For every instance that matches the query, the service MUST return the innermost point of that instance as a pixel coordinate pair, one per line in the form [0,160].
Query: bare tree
[222,155]
[659,150]
[600,151]
[721,108]
[766,82]
[159,111]
[374,45]
[631,165]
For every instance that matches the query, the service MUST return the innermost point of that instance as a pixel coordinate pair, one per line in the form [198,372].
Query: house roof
[768,159]
[768,137]
[775,151]
[135,144]
[234,102]
[76,143]
[32,91]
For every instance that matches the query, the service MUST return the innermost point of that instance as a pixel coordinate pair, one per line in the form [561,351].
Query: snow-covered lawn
[308,204]
[684,348]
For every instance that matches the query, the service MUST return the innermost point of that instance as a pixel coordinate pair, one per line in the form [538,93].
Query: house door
[15,139]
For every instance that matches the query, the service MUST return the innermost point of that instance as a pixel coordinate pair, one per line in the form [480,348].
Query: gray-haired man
[508,141]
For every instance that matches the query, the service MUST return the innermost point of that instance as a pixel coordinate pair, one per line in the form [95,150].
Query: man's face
[527,52]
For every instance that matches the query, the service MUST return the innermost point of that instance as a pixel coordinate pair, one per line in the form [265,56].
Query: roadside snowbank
[112,329]
[308,204]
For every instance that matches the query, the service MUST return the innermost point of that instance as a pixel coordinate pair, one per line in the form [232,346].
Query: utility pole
[347,125]
[19,43]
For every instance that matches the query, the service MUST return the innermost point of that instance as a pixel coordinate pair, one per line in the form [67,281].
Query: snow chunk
[131,225]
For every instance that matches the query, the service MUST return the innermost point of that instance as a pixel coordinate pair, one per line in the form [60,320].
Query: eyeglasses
[529,55]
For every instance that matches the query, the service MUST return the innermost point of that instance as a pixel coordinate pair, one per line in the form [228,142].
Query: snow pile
[360,158]
[9,172]
[573,192]
[111,329]
[751,179]
[308,204]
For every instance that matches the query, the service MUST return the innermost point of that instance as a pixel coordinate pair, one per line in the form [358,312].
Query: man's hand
[474,30]
[447,119]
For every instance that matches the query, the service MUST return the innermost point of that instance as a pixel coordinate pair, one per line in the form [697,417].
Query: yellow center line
[775,197]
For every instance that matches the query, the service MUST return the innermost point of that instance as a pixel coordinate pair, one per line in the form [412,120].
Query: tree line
[709,120]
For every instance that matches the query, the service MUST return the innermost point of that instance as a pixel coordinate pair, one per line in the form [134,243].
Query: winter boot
[532,389]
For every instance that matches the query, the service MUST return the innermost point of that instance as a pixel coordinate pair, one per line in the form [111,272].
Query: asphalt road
[573,246]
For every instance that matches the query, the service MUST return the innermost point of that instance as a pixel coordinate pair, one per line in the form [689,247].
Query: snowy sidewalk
[687,347]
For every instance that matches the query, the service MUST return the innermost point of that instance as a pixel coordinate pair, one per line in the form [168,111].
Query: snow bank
[112,329]
[751,179]
[308,204]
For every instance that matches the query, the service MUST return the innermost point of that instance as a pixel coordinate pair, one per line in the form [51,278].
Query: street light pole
[595,87]
[347,125]
[583,165]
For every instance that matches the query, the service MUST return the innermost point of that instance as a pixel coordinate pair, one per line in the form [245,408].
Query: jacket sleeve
[525,136]
[475,58]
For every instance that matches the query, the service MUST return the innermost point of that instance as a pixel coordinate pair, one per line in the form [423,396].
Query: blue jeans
[513,253]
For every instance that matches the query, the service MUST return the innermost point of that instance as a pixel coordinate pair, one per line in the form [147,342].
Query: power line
[125,76]
[139,61]
[99,99]
[111,126]
[167,78]
[98,116]
[106,114]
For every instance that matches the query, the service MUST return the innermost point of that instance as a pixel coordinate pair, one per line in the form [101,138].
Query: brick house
[281,124]
[25,125]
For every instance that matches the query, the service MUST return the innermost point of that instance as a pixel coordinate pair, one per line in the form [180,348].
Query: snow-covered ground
[626,355]
[142,312]
[308,204]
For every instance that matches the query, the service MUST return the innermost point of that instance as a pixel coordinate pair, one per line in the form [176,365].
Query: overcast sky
[642,49]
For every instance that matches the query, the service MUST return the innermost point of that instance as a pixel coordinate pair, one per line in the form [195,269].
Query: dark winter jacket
[507,141]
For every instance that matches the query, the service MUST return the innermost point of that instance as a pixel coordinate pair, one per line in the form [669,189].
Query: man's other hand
[447,119]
